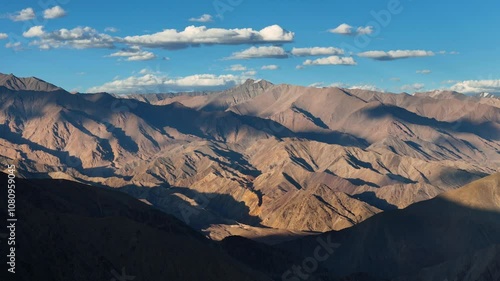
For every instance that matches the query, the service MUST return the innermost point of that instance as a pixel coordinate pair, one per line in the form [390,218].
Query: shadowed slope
[396,243]
[67,231]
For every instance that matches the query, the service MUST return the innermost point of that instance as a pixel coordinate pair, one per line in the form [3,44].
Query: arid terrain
[407,185]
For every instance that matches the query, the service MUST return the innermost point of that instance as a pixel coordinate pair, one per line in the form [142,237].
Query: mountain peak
[261,82]
[441,94]
[34,84]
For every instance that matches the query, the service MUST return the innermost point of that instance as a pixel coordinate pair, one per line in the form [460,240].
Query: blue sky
[159,46]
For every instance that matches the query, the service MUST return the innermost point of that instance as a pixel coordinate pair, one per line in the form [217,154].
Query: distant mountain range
[272,163]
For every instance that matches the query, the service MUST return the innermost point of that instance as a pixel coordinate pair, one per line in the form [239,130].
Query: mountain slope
[68,231]
[13,83]
[457,223]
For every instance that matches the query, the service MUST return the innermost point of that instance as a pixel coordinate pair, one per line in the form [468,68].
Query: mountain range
[279,164]
[70,231]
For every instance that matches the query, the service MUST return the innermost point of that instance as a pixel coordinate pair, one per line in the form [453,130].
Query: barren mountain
[69,231]
[13,83]
[257,159]
[454,236]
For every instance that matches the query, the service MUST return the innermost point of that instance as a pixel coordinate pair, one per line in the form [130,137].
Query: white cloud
[365,30]
[339,85]
[158,83]
[317,85]
[299,67]
[54,13]
[3,36]
[15,46]
[448,53]
[394,55]
[477,86]
[78,38]
[87,37]
[396,79]
[270,67]
[237,67]
[317,51]
[134,54]
[366,87]
[332,60]
[192,35]
[424,71]
[23,15]
[345,29]
[111,29]
[260,52]
[203,18]
[249,73]
[34,31]
[413,87]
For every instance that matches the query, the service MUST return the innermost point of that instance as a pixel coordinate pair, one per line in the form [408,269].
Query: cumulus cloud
[365,30]
[413,87]
[203,18]
[34,31]
[260,52]
[193,36]
[424,71]
[332,60]
[14,45]
[345,29]
[134,54]
[78,38]
[111,29]
[270,67]
[237,67]
[158,83]
[477,86]
[87,37]
[317,51]
[54,13]
[3,36]
[394,55]
[23,15]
